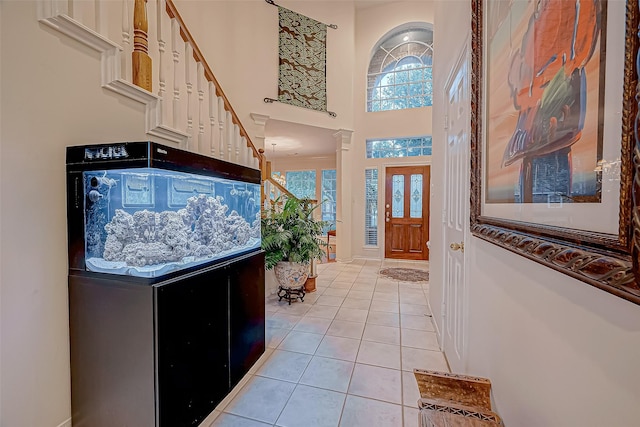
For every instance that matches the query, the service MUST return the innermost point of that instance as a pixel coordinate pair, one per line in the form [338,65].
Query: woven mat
[405,274]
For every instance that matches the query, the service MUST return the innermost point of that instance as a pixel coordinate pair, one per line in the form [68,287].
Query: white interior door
[456,222]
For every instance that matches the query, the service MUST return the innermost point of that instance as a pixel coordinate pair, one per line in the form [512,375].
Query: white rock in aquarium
[145,226]
[141,254]
[255,227]
[201,230]
[237,228]
[120,231]
[173,231]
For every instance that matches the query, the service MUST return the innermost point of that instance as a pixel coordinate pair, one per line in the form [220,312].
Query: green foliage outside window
[399,147]
[302,184]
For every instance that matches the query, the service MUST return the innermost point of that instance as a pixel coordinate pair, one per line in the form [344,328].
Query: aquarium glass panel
[150,222]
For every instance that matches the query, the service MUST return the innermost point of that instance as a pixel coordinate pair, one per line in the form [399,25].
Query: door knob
[457,246]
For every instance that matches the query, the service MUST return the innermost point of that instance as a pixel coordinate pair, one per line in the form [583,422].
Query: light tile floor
[343,357]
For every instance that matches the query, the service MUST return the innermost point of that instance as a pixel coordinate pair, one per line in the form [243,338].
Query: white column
[344,171]
[260,120]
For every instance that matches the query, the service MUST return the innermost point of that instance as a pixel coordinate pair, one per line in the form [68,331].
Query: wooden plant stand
[291,294]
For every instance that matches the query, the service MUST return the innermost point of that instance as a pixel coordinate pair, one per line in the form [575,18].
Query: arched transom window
[400,71]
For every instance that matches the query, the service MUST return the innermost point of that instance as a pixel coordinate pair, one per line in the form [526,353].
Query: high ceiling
[363,4]
[287,139]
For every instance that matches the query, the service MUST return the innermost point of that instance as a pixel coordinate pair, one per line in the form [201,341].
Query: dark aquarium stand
[158,351]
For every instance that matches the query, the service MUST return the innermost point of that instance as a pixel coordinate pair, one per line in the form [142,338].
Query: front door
[456,213]
[407,212]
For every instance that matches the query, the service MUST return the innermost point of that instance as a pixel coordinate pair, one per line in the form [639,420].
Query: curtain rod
[273,3]
[272,100]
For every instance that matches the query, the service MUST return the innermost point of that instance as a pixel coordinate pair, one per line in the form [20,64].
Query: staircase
[149,55]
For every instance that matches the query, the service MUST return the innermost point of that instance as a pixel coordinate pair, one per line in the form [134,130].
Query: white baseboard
[66,423]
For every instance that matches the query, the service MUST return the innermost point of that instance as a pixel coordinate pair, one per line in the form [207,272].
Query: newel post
[141,61]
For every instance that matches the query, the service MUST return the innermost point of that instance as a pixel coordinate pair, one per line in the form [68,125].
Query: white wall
[371,25]
[51,98]
[239,39]
[1,317]
[242,49]
[558,352]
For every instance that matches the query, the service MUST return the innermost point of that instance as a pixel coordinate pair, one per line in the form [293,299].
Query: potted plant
[290,239]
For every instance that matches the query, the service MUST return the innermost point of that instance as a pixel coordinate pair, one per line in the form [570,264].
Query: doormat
[405,274]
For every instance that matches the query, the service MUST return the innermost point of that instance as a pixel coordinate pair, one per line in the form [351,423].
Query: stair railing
[163,68]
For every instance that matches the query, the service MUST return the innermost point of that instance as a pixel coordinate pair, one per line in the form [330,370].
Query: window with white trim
[329,196]
[400,72]
[302,183]
[371,207]
[399,147]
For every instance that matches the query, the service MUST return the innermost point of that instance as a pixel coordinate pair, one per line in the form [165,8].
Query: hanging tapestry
[303,54]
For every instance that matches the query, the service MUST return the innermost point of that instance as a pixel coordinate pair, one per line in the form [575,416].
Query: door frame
[420,252]
[382,194]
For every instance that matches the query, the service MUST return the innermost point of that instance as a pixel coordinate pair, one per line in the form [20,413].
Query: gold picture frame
[568,233]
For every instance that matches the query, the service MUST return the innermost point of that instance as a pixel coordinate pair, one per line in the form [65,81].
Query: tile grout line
[344,405]
[352,283]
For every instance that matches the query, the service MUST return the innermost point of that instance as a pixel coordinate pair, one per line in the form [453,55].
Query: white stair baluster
[99,17]
[221,123]
[201,108]
[176,41]
[188,75]
[229,135]
[162,20]
[84,12]
[244,151]
[51,8]
[213,113]
[127,46]
[236,144]
[248,161]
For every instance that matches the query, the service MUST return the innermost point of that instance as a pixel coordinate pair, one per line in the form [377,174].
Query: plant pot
[291,275]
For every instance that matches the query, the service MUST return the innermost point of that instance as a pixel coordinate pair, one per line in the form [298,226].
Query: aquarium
[148,222]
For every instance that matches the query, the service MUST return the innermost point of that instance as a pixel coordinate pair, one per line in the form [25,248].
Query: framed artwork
[555,160]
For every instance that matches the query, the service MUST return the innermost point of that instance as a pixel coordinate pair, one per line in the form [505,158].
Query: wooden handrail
[285,191]
[197,55]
